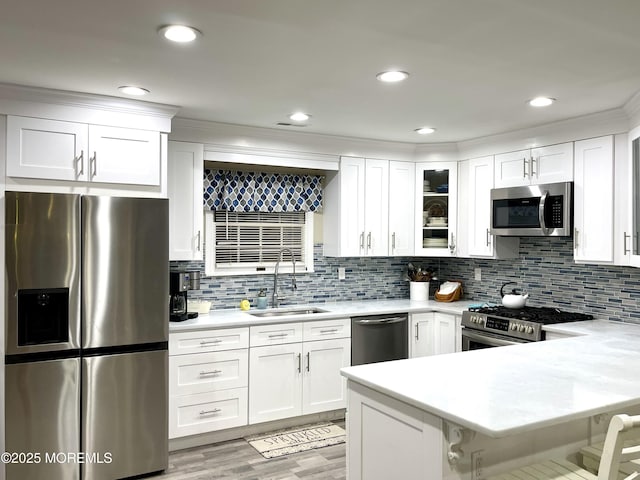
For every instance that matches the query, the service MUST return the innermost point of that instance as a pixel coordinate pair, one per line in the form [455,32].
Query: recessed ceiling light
[391,76]
[425,130]
[135,91]
[299,117]
[179,33]
[541,101]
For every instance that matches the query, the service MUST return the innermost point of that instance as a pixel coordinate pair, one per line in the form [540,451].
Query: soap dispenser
[262,299]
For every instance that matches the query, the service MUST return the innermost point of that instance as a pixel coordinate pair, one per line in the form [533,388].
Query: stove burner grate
[544,315]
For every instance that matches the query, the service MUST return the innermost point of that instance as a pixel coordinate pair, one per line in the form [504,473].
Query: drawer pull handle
[210,342]
[278,335]
[210,412]
[204,373]
[325,332]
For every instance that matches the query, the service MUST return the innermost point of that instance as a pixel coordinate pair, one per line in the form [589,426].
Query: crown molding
[215,133]
[632,109]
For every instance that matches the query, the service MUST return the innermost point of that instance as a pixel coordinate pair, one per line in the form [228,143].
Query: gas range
[519,323]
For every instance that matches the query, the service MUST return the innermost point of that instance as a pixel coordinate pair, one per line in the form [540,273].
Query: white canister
[419,291]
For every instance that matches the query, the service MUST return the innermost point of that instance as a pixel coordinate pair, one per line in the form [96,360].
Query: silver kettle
[515,299]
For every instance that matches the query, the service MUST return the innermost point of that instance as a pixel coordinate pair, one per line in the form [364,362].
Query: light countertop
[509,390]
[239,318]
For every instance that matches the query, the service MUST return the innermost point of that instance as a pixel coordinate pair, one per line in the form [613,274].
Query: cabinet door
[275,382]
[436,209]
[323,388]
[352,204]
[184,187]
[422,335]
[123,155]
[593,200]
[480,241]
[445,333]
[401,208]
[376,207]
[552,164]
[512,169]
[48,149]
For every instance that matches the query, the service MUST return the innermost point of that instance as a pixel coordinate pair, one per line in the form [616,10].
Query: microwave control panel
[553,212]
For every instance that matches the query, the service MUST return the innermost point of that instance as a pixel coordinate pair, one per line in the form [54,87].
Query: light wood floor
[237,460]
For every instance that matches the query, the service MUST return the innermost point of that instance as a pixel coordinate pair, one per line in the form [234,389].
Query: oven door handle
[381,321]
[488,339]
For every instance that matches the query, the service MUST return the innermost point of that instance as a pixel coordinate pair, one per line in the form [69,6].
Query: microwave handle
[541,209]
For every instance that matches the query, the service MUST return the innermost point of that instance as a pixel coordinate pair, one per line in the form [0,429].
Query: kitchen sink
[288,312]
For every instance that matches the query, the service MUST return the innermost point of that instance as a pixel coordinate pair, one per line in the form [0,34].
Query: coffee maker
[180,282]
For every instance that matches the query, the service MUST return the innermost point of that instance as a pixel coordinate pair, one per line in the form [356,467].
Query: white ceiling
[473,63]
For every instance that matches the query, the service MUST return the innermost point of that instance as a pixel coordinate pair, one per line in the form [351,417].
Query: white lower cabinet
[208,380]
[434,333]
[299,378]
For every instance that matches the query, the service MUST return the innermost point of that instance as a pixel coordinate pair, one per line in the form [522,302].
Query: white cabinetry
[434,333]
[184,188]
[208,378]
[59,150]
[632,239]
[293,373]
[436,209]
[401,208]
[593,235]
[549,164]
[356,209]
[474,213]
[391,439]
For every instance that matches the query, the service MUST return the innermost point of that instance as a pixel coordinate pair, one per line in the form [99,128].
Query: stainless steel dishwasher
[378,338]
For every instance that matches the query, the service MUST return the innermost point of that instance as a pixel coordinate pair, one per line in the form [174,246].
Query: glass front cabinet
[436,202]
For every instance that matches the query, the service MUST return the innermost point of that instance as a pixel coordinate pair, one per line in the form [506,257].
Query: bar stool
[618,448]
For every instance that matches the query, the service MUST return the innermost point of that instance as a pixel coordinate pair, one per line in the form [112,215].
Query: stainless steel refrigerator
[86,335]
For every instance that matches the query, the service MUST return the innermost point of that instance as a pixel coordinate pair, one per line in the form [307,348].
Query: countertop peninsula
[515,389]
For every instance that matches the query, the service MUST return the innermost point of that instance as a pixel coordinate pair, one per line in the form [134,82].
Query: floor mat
[297,439]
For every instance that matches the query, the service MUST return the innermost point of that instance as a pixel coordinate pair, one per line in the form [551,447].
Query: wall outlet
[477,274]
[341,273]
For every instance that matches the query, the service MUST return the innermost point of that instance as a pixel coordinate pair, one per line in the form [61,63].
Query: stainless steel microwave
[533,210]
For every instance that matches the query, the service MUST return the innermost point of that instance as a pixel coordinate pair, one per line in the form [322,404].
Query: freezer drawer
[42,414]
[125,413]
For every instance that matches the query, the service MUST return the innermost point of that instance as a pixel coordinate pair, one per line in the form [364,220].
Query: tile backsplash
[544,269]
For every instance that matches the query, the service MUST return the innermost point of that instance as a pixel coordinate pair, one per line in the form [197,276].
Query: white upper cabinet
[60,150]
[356,209]
[593,235]
[401,208]
[185,190]
[474,213]
[632,239]
[534,166]
[38,148]
[436,209]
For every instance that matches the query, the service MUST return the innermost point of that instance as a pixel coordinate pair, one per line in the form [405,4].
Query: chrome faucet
[275,299]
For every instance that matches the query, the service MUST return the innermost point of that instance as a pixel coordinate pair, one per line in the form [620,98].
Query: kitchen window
[249,243]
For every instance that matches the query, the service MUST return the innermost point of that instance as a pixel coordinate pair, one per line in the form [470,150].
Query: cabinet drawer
[204,372]
[275,334]
[325,329]
[207,412]
[181,343]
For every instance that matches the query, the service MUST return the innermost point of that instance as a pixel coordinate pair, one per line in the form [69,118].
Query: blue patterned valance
[261,192]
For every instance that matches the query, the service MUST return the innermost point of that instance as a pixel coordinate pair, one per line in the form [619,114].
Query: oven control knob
[522,328]
[529,330]
[480,320]
[514,326]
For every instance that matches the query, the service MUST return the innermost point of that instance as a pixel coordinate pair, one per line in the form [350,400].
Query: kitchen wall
[544,269]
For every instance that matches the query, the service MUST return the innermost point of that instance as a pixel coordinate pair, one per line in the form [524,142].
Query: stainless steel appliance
[378,338]
[180,283]
[86,335]
[487,327]
[533,210]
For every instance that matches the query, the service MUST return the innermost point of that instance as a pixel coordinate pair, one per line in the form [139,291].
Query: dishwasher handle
[381,321]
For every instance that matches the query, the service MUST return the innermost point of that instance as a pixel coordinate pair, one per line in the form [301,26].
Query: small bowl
[199,306]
